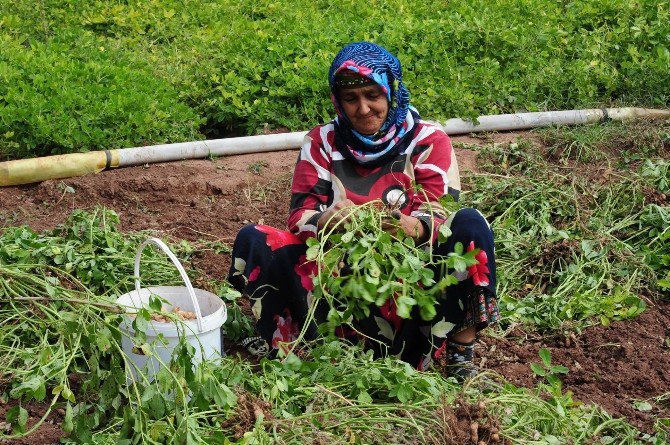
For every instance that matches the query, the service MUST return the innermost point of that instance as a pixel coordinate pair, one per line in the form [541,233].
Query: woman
[377,148]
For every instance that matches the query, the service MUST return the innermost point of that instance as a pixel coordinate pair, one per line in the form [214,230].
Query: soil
[47,433]
[611,366]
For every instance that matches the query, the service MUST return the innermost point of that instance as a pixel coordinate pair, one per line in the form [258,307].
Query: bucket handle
[179,267]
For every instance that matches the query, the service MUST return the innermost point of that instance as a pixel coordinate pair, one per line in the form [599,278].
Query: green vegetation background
[85,75]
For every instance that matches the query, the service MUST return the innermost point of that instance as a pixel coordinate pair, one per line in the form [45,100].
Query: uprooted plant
[357,263]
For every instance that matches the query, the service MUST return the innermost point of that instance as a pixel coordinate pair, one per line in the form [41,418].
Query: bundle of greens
[357,263]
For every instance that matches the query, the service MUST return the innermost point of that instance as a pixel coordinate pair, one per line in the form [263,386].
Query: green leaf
[312,252]
[34,387]
[140,323]
[403,310]
[384,328]
[442,328]
[554,381]
[67,424]
[148,393]
[427,312]
[459,264]
[443,233]
[364,397]
[22,420]
[156,405]
[405,393]
[545,355]
[103,339]
[68,395]
[155,302]
[538,370]
[51,291]
[372,279]
[18,418]
[143,349]
[57,390]
[558,369]
[643,406]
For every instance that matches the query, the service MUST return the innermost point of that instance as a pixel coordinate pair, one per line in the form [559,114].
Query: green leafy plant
[237,325]
[89,246]
[572,251]
[363,265]
[79,76]
[547,369]
[60,345]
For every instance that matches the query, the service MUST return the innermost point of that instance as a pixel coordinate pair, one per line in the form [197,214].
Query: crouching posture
[377,148]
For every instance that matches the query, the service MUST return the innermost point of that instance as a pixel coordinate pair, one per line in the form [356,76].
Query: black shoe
[257,346]
[462,371]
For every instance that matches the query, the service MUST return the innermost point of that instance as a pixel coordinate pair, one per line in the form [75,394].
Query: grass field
[80,75]
[577,248]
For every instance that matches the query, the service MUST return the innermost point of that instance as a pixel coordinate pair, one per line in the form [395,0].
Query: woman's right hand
[335,214]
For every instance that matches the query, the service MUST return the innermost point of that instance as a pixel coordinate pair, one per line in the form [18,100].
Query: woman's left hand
[410,225]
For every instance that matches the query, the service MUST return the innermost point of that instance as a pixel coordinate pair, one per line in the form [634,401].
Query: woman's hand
[410,225]
[334,215]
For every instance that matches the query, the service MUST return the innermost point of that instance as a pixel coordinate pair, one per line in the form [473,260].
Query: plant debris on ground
[583,248]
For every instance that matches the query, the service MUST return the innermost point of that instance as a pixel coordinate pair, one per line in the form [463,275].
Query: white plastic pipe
[26,171]
[524,121]
[212,147]
[288,141]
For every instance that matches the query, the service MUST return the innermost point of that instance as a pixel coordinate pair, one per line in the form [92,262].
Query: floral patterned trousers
[269,266]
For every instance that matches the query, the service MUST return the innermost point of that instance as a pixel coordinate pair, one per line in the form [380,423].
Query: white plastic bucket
[204,333]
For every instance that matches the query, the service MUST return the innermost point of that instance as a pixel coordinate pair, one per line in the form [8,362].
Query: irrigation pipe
[26,171]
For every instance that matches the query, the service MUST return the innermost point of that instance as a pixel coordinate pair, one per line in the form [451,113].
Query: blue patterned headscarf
[380,66]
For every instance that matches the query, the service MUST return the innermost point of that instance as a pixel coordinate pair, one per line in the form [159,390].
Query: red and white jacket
[413,180]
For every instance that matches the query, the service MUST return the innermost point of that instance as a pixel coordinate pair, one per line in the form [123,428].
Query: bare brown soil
[47,433]
[612,366]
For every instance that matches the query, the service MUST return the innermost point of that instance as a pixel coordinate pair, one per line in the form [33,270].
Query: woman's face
[365,106]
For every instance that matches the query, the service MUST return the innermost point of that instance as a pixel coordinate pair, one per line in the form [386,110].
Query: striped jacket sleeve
[311,188]
[434,167]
